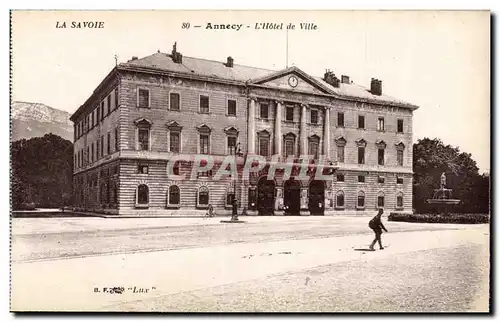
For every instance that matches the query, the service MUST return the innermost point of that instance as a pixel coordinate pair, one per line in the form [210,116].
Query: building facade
[147,112]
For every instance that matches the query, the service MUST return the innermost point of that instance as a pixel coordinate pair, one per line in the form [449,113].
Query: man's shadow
[364,250]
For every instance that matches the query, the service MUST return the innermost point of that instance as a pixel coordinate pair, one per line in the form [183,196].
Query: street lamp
[237,152]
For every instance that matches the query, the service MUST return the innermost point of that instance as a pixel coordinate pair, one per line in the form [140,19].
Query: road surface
[268,264]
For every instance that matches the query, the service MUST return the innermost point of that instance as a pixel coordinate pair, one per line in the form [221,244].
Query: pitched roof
[247,74]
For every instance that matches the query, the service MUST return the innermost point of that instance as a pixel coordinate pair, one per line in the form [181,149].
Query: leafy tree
[430,159]
[42,170]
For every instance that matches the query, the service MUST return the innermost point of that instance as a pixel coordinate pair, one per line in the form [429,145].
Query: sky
[439,61]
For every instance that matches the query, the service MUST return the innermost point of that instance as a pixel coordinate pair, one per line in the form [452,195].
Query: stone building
[147,112]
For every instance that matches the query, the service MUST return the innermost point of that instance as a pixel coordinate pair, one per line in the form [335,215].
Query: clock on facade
[293,81]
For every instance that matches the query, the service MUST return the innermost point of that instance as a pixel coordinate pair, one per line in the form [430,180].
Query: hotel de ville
[147,111]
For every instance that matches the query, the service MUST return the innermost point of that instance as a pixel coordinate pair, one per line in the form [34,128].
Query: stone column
[251,126]
[303,129]
[326,134]
[277,127]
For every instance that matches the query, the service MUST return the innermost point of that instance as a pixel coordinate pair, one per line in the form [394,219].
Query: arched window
[339,200]
[380,200]
[361,200]
[203,196]
[174,196]
[142,194]
[399,200]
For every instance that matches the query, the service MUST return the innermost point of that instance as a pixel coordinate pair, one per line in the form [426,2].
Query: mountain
[37,119]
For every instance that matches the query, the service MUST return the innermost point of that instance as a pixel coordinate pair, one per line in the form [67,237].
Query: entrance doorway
[291,197]
[265,197]
[317,198]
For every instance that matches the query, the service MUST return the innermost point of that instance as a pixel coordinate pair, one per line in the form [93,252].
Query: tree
[42,171]
[430,159]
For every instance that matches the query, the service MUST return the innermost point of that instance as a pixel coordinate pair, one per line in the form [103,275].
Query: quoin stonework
[159,134]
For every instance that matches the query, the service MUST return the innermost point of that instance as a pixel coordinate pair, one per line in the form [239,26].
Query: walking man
[377,226]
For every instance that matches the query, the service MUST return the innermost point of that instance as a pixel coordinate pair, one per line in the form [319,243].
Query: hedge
[450,218]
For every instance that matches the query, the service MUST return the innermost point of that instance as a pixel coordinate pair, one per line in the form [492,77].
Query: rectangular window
[381,179]
[175,141]
[229,199]
[314,116]
[264,111]
[264,146]
[361,201]
[204,104]
[361,179]
[289,113]
[102,110]
[231,107]
[381,156]
[400,157]
[340,153]
[116,97]
[102,145]
[399,201]
[143,98]
[289,147]
[314,149]
[144,139]
[381,124]
[231,145]
[400,126]
[399,180]
[116,139]
[340,177]
[92,119]
[109,103]
[142,169]
[380,201]
[98,149]
[361,122]
[87,156]
[361,155]
[98,118]
[92,152]
[340,119]
[175,102]
[109,143]
[204,144]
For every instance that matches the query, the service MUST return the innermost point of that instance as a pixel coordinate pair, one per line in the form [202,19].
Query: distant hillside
[36,119]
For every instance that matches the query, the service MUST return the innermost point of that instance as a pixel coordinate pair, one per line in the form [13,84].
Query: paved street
[265,264]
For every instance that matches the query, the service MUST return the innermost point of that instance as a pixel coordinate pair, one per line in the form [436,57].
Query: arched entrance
[291,197]
[265,197]
[317,198]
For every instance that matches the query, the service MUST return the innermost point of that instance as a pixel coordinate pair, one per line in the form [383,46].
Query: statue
[443,180]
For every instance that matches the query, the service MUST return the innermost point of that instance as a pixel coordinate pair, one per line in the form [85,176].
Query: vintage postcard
[250,161]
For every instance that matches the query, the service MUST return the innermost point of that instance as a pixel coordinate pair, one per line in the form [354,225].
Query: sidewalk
[69,284]
[22,226]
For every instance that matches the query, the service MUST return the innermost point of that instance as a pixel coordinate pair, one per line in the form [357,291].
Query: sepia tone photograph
[247,161]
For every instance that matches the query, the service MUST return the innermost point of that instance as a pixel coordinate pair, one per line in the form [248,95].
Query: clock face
[293,81]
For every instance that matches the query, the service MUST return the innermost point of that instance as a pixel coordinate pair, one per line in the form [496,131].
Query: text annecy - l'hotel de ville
[147,112]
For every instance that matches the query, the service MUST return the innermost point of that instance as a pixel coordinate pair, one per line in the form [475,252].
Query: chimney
[376,87]
[331,79]
[134,58]
[230,61]
[345,79]
[176,56]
